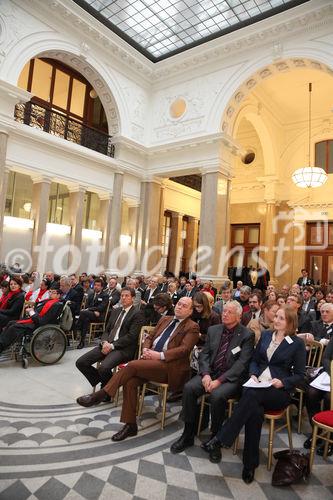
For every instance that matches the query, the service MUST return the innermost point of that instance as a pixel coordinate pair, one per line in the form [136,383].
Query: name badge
[289,340]
[99,300]
[235,350]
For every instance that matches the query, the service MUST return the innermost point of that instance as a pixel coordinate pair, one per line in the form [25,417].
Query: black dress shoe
[204,444]
[92,399]
[127,431]
[248,475]
[174,396]
[308,442]
[320,450]
[214,449]
[181,444]
[80,345]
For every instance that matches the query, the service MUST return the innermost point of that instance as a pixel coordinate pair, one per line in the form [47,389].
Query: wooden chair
[231,402]
[314,360]
[272,417]
[159,388]
[98,327]
[323,421]
[145,330]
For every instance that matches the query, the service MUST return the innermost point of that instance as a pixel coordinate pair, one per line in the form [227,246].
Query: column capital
[77,188]
[36,179]
[132,203]
[153,179]
[217,168]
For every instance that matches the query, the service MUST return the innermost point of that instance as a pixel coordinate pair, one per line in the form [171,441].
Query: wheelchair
[46,345]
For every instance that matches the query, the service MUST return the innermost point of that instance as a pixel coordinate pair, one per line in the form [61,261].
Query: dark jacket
[74,299]
[328,356]
[304,321]
[309,281]
[319,331]
[204,324]
[237,362]
[287,363]
[14,307]
[98,302]
[79,292]
[114,296]
[127,341]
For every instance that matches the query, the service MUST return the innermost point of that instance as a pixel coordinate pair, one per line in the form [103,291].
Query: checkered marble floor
[52,449]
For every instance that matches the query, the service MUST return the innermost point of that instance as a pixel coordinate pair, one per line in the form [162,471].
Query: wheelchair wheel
[24,363]
[48,344]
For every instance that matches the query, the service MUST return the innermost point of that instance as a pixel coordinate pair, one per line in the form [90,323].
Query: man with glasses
[165,359]
[304,320]
[223,368]
[44,312]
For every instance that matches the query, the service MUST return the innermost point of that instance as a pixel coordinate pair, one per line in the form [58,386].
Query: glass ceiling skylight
[160,28]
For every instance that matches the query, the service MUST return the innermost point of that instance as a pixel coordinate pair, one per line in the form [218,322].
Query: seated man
[322,330]
[165,359]
[119,342]
[223,368]
[94,311]
[69,294]
[45,312]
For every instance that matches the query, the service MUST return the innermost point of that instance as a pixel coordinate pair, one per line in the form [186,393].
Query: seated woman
[4,289]
[42,293]
[204,317]
[314,397]
[12,302]
[279,358]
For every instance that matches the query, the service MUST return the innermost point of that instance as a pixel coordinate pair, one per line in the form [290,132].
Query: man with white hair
[223,368]
[322,330]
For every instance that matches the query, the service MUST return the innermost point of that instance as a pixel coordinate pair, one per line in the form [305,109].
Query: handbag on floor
[291,466]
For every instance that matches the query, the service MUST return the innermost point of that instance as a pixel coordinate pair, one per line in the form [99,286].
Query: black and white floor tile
[52,449]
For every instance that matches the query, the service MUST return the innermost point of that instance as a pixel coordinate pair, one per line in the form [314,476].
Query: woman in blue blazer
[280,359]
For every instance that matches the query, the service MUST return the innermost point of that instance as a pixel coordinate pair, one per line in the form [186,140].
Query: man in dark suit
[94,311]
[44,312]
[305,279]
[69,294]
[77,287]
[304,319]
[119,342]
[112,290]
[223,367]
[322,330]
[189,290]
[165,359]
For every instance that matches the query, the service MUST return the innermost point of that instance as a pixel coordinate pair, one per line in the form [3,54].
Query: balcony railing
[61,125]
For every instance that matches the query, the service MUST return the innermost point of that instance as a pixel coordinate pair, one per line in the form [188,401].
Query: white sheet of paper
[256,385]
[322,382]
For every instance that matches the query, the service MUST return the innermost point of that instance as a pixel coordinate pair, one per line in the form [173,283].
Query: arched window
[324,155]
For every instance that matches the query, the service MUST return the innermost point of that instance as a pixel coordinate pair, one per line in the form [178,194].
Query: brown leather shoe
[127,431]
[92,399]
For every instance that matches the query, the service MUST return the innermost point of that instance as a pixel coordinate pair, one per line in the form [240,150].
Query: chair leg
[165,394]
[326,446]
[313,444]
[142,397]
[289,428]
[300,412]
[270,443]
[202,406]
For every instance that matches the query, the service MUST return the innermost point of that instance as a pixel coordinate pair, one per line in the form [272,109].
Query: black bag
[291,466]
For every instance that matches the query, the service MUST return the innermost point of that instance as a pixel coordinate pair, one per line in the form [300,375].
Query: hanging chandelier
[307,177]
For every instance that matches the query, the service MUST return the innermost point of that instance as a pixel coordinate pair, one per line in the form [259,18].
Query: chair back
[84,301]
[331,375]
[144,332]
[315,354]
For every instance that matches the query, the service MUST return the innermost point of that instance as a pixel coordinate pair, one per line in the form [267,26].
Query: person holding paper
[279,359]
[315,396]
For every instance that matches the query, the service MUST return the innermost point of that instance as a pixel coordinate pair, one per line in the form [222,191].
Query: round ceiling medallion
[177,108]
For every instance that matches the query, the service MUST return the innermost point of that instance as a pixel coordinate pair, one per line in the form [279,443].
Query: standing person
[279,359]
[305,279]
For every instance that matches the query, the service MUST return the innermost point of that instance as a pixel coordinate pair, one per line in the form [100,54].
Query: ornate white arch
[81,58]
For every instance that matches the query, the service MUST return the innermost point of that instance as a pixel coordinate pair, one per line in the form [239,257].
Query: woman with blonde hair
[279,361]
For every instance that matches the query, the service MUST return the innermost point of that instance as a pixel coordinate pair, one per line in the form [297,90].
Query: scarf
[46,307]
[6,298]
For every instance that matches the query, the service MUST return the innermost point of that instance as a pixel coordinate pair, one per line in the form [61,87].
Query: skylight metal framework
[162,28]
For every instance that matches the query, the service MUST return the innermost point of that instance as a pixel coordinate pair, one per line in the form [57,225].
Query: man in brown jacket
[165,359]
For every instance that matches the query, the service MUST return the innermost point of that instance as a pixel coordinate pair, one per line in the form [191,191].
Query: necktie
[116,325]
[165,335]
[254,316]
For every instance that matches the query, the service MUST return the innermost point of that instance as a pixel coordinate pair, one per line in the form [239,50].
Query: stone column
[116,211]
[149,241]
[40,214]
[76,212]
[176,242]
[133,223]
[104,223]
[270,236]
[4,174]
[214,224]
[191,243]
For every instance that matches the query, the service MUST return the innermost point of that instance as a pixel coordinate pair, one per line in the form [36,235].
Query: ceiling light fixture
[307,177]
